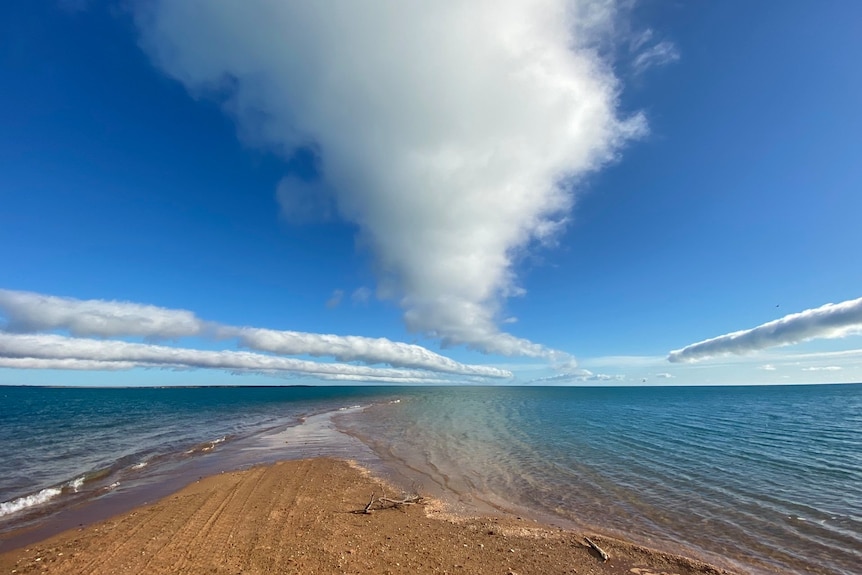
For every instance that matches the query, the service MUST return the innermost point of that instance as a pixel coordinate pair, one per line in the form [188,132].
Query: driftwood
[409,500]
[367,509]
[597,549]
[384,502]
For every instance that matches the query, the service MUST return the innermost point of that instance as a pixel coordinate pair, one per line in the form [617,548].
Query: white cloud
[823,368]
[59,348]
[581,375]
[827,321]
[385,379]
[559,378]
[768,367]
[846,354]
[659,54]
[664,375]
[65,363]
[604,377]
[28,312]
[355,348]
[451,133]
[641,40]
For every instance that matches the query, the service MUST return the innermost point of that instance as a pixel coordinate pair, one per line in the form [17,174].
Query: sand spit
[300,517]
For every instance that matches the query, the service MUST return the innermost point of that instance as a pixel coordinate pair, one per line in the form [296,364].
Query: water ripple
[769,478]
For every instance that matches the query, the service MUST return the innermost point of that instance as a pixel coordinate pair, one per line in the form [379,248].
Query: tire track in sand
[282,521]
[241,544]
[144,532]
[205,531]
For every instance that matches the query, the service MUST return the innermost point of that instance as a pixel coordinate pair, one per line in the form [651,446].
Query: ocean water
[757,479]
[64,447]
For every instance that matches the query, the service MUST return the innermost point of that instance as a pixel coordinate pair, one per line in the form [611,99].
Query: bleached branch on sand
[384,502]
[367,509]
[597,549]
[409,500]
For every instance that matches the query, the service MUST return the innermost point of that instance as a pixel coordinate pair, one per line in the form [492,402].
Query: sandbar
[305,517]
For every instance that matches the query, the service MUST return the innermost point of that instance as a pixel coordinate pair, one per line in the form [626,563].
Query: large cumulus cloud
[451,133]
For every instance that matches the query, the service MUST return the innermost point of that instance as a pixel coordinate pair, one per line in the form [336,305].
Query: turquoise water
[761,479]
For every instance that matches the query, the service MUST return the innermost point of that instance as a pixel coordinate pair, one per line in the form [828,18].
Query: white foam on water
[76,483]
[28,501]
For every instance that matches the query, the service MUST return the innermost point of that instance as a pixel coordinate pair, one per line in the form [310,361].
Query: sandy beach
[306,517]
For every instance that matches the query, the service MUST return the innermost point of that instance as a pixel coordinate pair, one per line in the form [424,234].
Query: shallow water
[769,477]
[761,479]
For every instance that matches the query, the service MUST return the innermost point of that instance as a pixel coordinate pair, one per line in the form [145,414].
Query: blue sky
[568,200]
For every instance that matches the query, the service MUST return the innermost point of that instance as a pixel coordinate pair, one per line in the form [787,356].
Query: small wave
[29,501]
[98,474]
[112,486]
[140,465]
[76,483]
[208,446]
[349,408]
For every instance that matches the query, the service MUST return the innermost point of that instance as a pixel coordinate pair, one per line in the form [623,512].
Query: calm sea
[758,479]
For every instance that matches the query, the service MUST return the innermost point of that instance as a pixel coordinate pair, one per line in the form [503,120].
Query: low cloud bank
[56,349]
[65,363]
[827,322]
[354,348]
[579,376]
[28,313]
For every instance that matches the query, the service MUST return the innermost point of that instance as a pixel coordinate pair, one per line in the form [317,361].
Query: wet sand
[305,517]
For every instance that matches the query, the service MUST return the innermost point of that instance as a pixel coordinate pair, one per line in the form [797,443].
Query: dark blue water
[63,445]
[763,479]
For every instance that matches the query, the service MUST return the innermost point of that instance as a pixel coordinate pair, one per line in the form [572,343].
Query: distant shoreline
[426,385]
